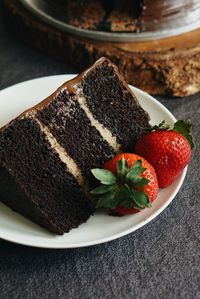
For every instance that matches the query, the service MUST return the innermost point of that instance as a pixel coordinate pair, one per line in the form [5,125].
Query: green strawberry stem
[121,189]
[184,127]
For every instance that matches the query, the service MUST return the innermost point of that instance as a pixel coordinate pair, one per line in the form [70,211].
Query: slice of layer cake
[47,153]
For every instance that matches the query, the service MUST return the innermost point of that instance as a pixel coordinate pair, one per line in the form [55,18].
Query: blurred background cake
[132,15]
[105,15]
[155,44]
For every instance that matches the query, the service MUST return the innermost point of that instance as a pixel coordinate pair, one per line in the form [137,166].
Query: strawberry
[168,150]
[128,184]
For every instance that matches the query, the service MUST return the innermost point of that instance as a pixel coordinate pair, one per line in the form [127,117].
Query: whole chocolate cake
[105,15]
[130,15]
[47,152]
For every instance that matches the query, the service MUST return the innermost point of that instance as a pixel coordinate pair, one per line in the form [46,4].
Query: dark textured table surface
[160,260]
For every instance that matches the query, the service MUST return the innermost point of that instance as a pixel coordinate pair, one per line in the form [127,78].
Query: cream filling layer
[63,155]
[105,133]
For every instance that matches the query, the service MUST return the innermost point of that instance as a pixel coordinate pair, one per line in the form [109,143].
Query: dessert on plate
[47,152]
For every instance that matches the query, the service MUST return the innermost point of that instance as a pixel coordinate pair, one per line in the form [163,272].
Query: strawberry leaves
[134,175]
[184,127]
[106,177]
[122,168]
[108,200]
[121,189]
[103,189]
[161,126]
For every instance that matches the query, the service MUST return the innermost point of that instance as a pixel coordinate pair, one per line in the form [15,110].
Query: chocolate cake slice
[47,152]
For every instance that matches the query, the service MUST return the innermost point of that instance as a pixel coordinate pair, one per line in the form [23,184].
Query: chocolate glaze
[70,86]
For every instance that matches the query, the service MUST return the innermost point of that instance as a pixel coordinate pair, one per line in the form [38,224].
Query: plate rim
[116,235]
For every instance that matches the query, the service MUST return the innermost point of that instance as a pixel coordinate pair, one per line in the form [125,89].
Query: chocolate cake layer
[47,184]
[73,130]
[99,93]
[114,105]
[13,196]
[125,17]
[85,14]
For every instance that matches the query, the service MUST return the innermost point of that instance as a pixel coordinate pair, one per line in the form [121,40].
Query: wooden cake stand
[165,66]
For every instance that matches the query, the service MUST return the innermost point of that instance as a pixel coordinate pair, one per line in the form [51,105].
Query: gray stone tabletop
[160,260]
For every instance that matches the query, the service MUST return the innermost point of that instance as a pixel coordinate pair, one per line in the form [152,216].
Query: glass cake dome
[119,21]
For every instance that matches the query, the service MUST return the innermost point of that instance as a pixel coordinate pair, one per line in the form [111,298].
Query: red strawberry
[168,150]
[128,184]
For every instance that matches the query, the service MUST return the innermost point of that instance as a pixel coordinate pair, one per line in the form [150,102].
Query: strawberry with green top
[168,150]
[128,184]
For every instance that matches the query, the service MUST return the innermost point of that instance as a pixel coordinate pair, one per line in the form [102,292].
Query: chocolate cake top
[71,86]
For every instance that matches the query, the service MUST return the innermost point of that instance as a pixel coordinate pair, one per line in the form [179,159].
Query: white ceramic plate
[100,227]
